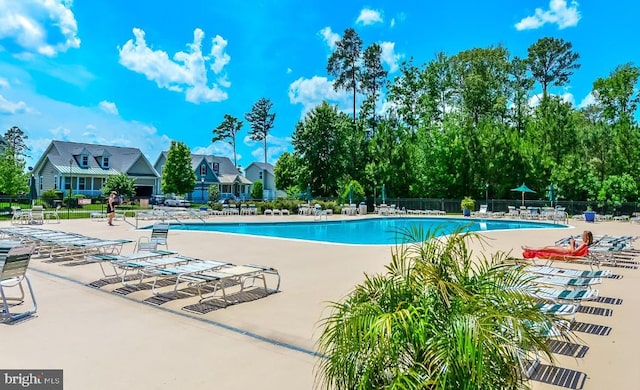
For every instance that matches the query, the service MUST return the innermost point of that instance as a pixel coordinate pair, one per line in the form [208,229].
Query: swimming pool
[370,231]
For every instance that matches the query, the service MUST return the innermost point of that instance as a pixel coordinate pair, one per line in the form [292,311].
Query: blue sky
[143,73]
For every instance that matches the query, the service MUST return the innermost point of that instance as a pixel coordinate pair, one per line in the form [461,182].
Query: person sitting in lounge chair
[572,250]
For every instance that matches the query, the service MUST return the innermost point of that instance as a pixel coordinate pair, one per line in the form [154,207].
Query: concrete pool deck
[103,340]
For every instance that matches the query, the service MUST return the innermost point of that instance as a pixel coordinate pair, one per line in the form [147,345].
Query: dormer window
[203,170]
[216,168]
[105,162]
[84,160]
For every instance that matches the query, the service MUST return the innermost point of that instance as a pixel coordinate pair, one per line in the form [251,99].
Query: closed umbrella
[384,194]
[523,188]
[350,194]
[33,193]
[552,194]
[309,196]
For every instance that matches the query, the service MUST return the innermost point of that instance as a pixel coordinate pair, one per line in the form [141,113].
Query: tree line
[466,123]
[456,126]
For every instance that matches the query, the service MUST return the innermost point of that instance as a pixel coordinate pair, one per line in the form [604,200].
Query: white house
[85,168]
[264,172]
[212,170]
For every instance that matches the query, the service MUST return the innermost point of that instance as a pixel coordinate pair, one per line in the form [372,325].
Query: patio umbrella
[309,196]
[552,194]
[384,194]
[33,193]
[350,194]
[523,188]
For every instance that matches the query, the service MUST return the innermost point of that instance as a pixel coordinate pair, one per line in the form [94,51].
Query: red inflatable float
[551,254]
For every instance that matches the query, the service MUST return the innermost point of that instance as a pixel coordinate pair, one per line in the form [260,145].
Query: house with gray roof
[212,170]
[264,172]
[84,168]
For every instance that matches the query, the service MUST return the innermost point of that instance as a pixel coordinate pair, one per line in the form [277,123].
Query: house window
[67,183]
[260,175]
[85,160]
[216,168]
[81,183]
[105,162]
[41,180]
[203,170]
[55,182]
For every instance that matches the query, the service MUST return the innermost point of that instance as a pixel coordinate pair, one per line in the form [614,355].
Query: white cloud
[289,70]
[219,148]
[220,57]
[558,13]
[369,16]
[389,56]
[311,92]
[31,24]
[223,81]
[185,73]
[329,37]
[61,133]
[400,17]
[567,97]
[275,147]
[47,119]
[588,100]
[8,107]
[108,107]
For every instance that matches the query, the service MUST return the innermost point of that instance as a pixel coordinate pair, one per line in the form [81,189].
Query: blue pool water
[370,231]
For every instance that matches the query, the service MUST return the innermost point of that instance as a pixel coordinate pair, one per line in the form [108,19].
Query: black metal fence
[69,207]
[452,206]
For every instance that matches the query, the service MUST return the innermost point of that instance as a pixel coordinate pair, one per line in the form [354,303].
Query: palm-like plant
[437,319]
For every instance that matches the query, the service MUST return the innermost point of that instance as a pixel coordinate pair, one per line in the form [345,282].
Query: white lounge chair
[551,328]
[19,216]
[49,216]
[244,276]
[566,295]
[182,273]
[36,216]
[143,266]
[571,273]
[482,213]
[559,309]
[159,234]
[13,272]
[144,253]
[566,282]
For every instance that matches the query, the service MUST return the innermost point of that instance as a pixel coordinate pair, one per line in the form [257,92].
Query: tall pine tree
[344,64]
[228,130]
[261,121]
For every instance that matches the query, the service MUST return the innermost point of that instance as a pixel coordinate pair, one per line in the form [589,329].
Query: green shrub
[214,194]
[48,196]
[468,204]
[356,191]
[256,191]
